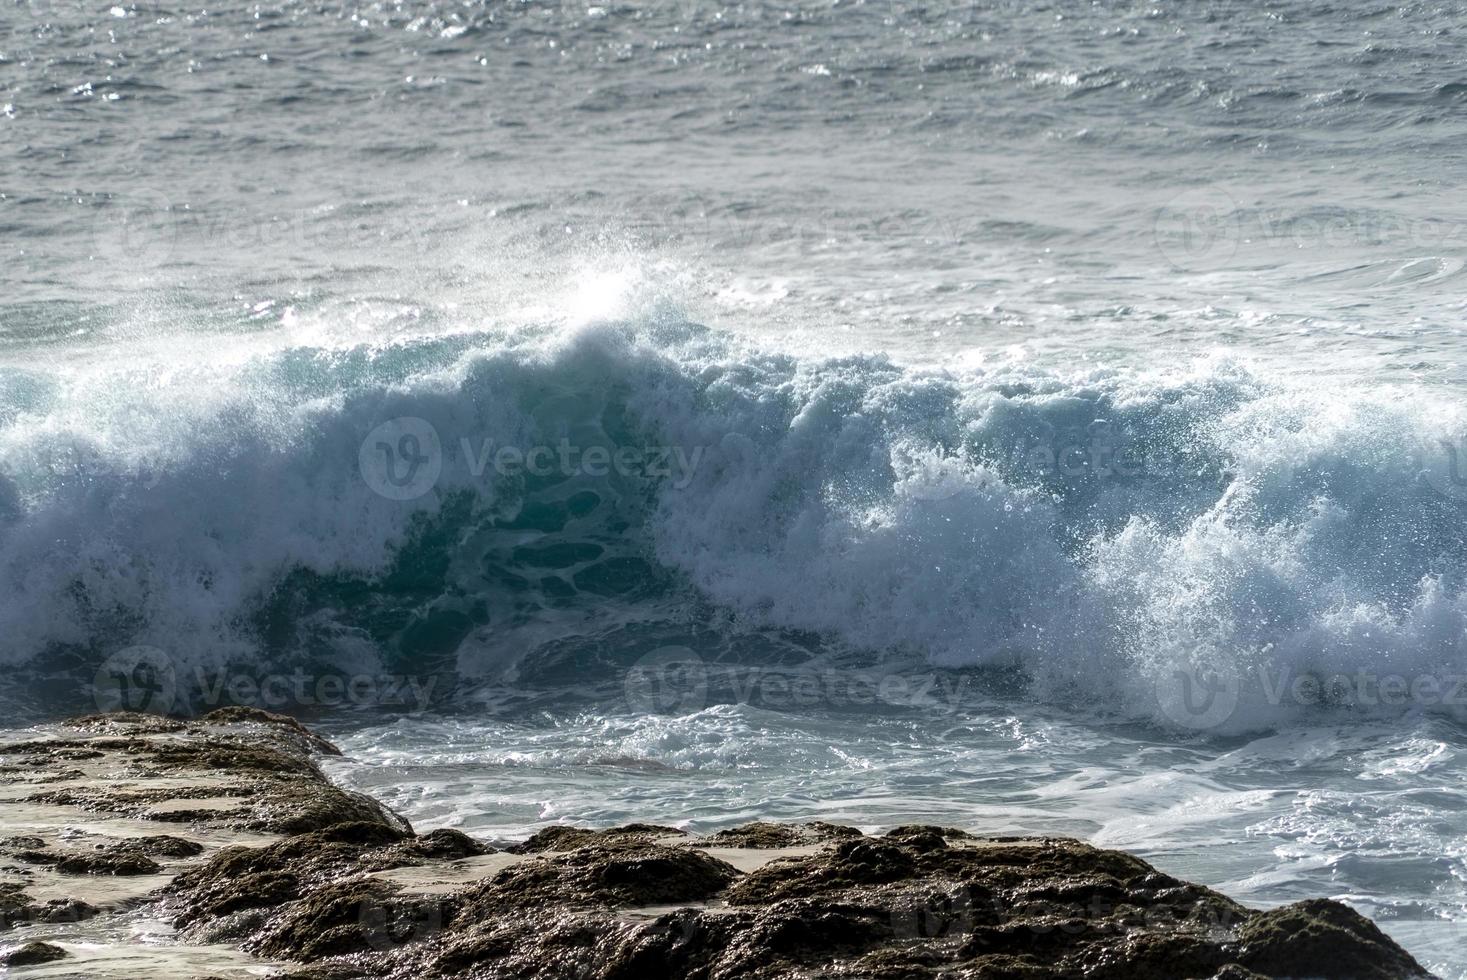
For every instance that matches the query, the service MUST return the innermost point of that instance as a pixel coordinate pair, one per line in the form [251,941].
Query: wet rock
[1322,938]
[28,850]
[16,908]
[293,804]
[310,896]
[569,838]
[1235,972]
[917,905]
[342,917]
[258,890]
[924,829]
[239,878]
[204,756]
[851,862]
[262,759]
[1145,956]
[160,845]
[132,722]
[806,932]
[319,805]
[108,864]
[923,839]
[612,873]
[774,835]
[133,802]
[438,845]
[12,845]
[36,850]
[324,971]
[13,904]
[34,954]
[61,910]
[352,892]
[238,715]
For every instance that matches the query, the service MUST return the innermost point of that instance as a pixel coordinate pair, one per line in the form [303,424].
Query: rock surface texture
[263,853]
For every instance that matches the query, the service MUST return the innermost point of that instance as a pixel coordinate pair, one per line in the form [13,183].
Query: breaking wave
[466,498]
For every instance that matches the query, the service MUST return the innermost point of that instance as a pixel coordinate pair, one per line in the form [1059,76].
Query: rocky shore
[220,839]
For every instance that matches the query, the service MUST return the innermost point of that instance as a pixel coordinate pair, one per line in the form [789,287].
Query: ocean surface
[1033,417]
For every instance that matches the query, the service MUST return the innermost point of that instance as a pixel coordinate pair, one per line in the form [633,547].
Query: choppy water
[586,379]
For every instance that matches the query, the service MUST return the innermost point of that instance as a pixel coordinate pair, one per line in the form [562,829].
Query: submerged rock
[34,954]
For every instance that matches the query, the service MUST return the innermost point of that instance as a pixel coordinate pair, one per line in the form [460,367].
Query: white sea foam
[1117,535]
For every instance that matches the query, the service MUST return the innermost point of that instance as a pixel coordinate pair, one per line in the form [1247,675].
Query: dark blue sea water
[1034,417]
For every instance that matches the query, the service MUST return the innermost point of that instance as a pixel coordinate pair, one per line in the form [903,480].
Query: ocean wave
[1125,539]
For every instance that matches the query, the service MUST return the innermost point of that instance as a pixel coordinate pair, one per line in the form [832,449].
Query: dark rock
[438,845]
[1148,956]
[346,917]
[13,904]
[568,838]
[1322,938]
[642,902]
[1235,972]
[920,829]
[923,840]
[319,805]
[126,721]
[325,971]
[293,805]
[851,862]
[160,845]
[265,757]
[61,910]
[237,714]
[16,908]
[265,877]
[225,895]
[34,954]
[39,855]
[235,758]
[625,873]
[917,905]
[807,932]
[108,864]
[446,843]
[774,835]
